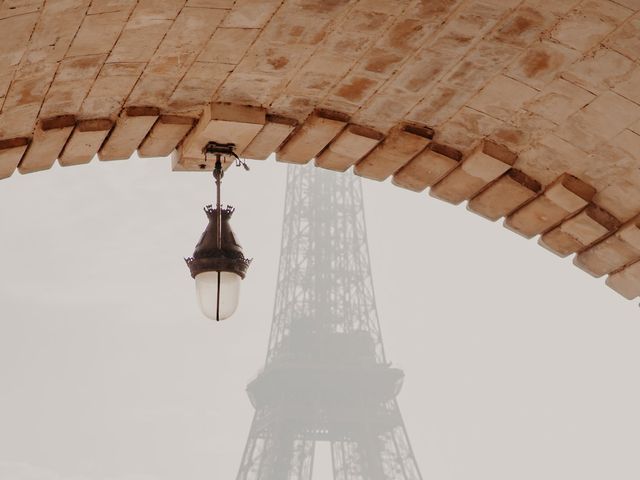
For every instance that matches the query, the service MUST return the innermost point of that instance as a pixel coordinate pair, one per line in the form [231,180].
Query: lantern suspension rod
[221,150]
[218,174]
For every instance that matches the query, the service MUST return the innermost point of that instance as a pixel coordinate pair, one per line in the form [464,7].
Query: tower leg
[369,455]
[276,452]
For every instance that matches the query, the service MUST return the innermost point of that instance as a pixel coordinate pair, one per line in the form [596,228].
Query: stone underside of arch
[529,110]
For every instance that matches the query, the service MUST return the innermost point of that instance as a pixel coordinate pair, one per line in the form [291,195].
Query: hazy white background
[518,365]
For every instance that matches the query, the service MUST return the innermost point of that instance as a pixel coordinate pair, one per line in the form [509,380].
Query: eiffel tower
[326,377]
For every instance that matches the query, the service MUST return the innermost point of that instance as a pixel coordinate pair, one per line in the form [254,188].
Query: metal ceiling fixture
[218,264]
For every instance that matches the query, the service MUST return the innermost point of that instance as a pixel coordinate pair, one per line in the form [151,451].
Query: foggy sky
[517,364]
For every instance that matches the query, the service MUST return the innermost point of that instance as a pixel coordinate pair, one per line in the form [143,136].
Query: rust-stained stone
[198,86]
[580,231]
[629,87]
[525,24]
[612,253]
[176,53]
[131,128]
[14,38]
[539,65]
[348,148]
[73,80]
[627,281]
[165,135]
[555,82]
[228,45]
[488,162]
[599,71]
[590,23]
[139,40]
[251,13]
[559,100]
[85,141]
[11,151]
[24,99]
[626,39]
[502,97]
[467,128]
[308,141]
[47,143]
[400,146]
[505,195]
[110,89]
[273,134]
[566,196]
[600,121]
[428,167]
[98,33]
[56,28]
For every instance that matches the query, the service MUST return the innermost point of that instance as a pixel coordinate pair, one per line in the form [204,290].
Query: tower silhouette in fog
[326,377]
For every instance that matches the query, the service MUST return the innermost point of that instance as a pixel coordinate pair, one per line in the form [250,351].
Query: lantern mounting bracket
[222,150]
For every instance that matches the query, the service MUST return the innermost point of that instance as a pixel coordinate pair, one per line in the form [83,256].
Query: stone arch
[526,110]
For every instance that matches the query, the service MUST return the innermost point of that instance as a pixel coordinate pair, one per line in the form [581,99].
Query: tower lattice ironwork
[326,377]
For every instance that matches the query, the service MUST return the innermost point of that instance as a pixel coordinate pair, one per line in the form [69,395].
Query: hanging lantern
[218,264]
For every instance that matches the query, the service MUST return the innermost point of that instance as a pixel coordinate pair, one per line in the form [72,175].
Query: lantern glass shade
[218,293]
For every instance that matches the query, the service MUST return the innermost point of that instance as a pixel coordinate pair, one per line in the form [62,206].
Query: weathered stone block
[612,253]
[349,147]
[626,39]
[131,128]
[268,140]
[98,33]
[308,141]
[505,195]
[428,167]
[540,64]
[47,143]
[564,197]
[11,151]
[627,281]
[85,141]
[600,121]
[488,162]
[165,135]
[228,45]
[502,97]
[559,100]
[400,146]
[580,231]
[589,24]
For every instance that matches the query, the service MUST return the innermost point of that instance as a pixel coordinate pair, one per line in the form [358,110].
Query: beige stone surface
[477,171]
[428,167]
[614,252]
[580,231]
[273,134]
[165,135]
[308,141]
[48,141]
[557,83]
[349,147]
[505,195]
[130,130]
[11,152]
[394,152]
[85,141]
[566,196]
[627,281]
